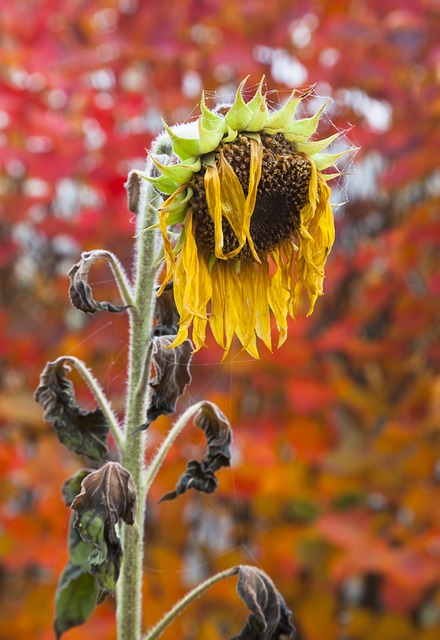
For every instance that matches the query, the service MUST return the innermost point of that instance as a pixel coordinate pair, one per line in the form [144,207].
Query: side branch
[99,396]
[166,444]
[173,613]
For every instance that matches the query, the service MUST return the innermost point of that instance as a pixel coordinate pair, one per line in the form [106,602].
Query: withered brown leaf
[83,432]
[132,186]
[269,615]
[171,375]
[107,496]
[80,292]
[200,475]
[166,314]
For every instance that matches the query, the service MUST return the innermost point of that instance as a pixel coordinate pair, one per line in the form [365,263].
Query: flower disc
[281,194]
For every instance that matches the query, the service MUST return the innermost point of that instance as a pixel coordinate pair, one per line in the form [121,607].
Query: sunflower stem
[173,613]
[121,280]
[129,588]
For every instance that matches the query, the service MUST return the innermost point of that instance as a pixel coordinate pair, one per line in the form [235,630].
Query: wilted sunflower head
[256,223]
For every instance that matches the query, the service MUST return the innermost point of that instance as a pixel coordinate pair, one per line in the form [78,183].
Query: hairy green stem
[99,396]
[165,445]
[172,614]
[121,279]
[129,591]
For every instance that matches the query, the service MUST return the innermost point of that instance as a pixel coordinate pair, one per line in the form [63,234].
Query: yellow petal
[225,198]
[315,240]
[262,319]
[167,249]
[217,319]
[278,295]
[256,162]
[214,203]
[246,304]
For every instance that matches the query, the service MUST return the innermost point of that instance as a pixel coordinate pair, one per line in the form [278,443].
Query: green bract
[251,117]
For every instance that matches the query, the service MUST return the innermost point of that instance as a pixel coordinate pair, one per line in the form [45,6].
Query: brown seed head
[282,192]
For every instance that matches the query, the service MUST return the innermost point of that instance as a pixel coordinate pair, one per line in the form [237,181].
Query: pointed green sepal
[331,176]
[253,135]
[301,130]
[212,128]
[179,242]
[162,184]
[231,135]
[281,120]
[181,172]
[260,112]
[239,115]
[208,160]
[211,121]
[176,211]
[211,262]
[314,146]
[185,148]
[181,198]
[325,160]
[176,217]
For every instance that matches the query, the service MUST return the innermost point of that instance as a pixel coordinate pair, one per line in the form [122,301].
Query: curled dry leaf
[107,496]
[80,292]
[172,375]
[269,615]
[200,475]
[133,182]
[167,316]
[132,186]
[83,432]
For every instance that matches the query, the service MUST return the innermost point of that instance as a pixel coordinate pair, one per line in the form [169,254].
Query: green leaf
[75,598]
[79,551]
[83,432]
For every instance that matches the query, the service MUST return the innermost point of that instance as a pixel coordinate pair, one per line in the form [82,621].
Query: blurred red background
[334,488]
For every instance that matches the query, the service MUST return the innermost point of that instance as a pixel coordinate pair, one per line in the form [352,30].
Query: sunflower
[253,205]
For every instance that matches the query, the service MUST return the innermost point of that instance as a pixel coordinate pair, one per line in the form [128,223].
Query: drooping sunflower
[256,222]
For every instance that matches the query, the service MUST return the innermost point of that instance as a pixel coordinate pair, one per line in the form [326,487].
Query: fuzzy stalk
[99,396]
[173,613]
[167,443]
[129,588]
